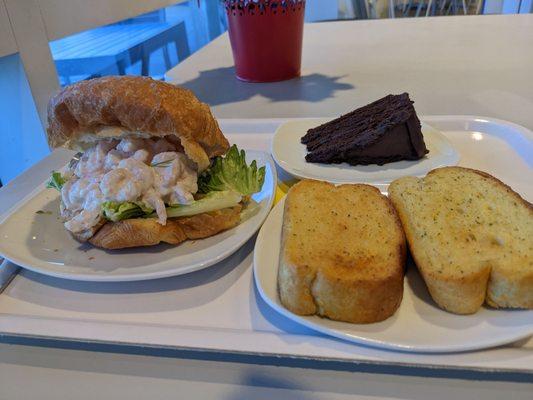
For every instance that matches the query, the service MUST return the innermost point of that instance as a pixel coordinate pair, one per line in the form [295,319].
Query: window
[149,44]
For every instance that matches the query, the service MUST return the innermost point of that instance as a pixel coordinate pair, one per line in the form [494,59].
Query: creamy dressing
[93,160]
[150,171]
[175,177]
[120,185]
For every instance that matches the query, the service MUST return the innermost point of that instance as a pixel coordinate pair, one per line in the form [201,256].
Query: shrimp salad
[149,177]
[148,171]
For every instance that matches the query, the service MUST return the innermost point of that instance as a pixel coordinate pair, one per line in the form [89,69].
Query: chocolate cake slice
[381,132]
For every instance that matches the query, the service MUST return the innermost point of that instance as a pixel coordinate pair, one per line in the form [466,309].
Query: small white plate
[417,326]
[39,242]
[290,153]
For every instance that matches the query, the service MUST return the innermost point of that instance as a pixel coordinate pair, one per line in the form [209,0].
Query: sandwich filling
[145,171]
[124,178]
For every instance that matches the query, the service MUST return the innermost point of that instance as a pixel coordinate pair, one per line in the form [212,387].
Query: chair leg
[145,64]
[182,42]
[359,9]
[166,57]
[479,8]
[430,4]
[419,8]
[121,67]
[464,7]
[391,9]
[367,9]
[404,6]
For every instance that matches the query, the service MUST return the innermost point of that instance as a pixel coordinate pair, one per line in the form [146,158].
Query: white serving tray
[217,309]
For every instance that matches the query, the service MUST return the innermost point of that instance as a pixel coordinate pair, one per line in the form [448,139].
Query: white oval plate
[417,326]
[289,154]
[39,242]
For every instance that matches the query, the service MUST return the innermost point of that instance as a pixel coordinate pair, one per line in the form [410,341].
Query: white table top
[463,65]
[476,65]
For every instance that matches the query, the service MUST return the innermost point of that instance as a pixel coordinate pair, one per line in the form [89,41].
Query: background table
[477,65]
[463,65]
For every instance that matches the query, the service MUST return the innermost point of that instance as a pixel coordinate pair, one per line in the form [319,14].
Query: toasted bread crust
[445,291]
[148,232]
[333,263]
[136,104]
[497,282]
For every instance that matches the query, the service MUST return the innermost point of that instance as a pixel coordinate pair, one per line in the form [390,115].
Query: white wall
[7,40]
[21,133]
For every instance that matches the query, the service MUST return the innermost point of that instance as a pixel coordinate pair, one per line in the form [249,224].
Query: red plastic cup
[266,38]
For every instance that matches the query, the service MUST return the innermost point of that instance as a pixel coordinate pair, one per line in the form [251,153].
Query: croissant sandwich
[153,165]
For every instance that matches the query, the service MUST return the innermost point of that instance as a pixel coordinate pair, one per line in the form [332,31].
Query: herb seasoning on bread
[471,237]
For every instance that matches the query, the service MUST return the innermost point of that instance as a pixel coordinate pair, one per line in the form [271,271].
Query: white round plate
[39,242]
[417,326]
[289,154]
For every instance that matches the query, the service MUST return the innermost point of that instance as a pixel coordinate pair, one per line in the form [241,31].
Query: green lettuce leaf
[232,173]
[210,202]
[115,211]
[56,181]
